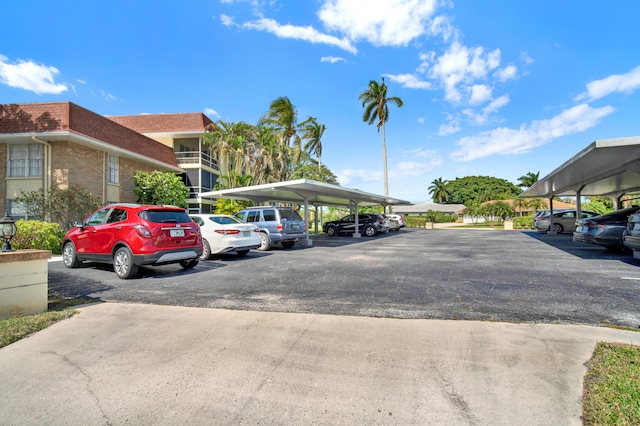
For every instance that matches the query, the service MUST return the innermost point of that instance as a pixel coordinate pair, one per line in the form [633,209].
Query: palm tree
[282,117]
[312,131]
[520,204]
[438,190]
[528,180]
[375,103]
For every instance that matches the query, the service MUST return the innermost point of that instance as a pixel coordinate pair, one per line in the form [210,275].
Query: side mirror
[79,224]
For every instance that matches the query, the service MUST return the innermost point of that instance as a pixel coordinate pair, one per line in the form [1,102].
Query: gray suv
[278,225]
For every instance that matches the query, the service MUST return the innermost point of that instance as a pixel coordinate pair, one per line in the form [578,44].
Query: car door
[347,224]
[90,237]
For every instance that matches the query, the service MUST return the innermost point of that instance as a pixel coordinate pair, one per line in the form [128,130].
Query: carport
[607,167]
[306,192]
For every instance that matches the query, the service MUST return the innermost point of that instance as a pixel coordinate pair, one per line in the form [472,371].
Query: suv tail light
[143,231]
[279,227]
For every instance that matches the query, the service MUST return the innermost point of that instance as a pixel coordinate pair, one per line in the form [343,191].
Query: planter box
[24,282]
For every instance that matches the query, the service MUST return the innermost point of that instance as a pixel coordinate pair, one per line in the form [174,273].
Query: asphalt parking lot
[463,274]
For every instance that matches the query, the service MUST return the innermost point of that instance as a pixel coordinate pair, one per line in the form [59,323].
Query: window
[269,215]
[117,215]
[112,169]
[98,217]
[16,210]
[25,160]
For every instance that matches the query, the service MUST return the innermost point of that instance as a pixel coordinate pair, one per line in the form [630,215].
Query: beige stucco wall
[24,282]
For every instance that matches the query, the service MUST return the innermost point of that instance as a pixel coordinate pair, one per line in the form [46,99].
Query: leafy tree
[312,131]
[158,187]
[311,171]
[231,206]
[474,210]
[596,206]
[520,204]
[61,206]
[528,180]
[500,209]
[480,189]
[438,190]
[537,204]
[376,107]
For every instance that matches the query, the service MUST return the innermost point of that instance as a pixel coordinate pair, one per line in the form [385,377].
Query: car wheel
[557,228]
[370,230]
[188,264]
[242,253]
[331,231]
[288,244]
[206,250]
[123,263]
[265,244]
[69,256]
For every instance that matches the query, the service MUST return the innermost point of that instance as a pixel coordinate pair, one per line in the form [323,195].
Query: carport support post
[356,231]
[306,221]
[551,230]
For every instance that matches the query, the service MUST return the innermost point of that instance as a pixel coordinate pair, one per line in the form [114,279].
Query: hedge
[36,234]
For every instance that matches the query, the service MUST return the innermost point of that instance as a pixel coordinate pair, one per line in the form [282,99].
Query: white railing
[196,157]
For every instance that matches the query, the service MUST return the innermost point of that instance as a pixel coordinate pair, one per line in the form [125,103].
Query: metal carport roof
[305,192]
[605,167]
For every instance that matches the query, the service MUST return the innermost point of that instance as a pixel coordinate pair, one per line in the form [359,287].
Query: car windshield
[224,220]
[165,216]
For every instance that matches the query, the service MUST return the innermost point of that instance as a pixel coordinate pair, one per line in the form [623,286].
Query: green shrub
[36,234]
[523,222]
[415,221]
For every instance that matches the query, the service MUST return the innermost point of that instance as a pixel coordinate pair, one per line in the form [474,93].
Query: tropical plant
[475,211]
[376,108]
[537,204]
[520,204]
[62,206]
[438,190]
[528,180]
[480,189]
[312,132]
[158,187]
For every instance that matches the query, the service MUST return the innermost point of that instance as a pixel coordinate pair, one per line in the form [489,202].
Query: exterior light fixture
[9,229]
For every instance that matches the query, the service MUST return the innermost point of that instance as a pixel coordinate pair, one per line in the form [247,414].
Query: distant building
[423,208]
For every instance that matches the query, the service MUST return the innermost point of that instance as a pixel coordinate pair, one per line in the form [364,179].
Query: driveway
[427,274]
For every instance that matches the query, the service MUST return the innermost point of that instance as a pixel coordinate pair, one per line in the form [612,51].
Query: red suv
[131,235]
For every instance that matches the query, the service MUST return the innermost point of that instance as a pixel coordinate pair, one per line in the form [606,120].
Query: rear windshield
[165,216]
[289,215]
[224,220]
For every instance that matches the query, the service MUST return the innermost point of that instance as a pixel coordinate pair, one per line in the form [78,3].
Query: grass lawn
[18,327]
[612,386]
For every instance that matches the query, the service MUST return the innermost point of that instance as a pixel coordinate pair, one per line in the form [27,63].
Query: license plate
[176,232]
[246,233]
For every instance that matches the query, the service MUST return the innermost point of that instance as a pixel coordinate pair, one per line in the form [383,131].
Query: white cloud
[354,177]
[421,153]
[524,56]
[108,96]
[307,33]
[507,73]
[462,66]
[332,59]
[30,76]
[413,169]
[480,94]
[409,80]
[616,83]
[449,128]
[482,117]
[211,113]
[505,141]
[380,22]
[227,21]
[421,120]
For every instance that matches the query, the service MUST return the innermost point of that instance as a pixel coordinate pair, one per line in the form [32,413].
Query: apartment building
[62,144]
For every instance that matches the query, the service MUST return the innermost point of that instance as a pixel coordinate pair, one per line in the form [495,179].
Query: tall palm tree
[376,107]
[312,132]
[528,180]
[282,117]
[438,190]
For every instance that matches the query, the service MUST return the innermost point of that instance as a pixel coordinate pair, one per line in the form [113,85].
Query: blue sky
[498,88]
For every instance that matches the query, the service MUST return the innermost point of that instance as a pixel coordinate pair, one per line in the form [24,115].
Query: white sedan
[222,233]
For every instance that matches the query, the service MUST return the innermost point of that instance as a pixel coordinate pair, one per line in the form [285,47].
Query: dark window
[117,215]
[269,215]
[165,216]
[98,217]
[289,214]
[253,216]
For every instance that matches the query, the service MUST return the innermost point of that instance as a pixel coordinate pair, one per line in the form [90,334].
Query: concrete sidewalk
[119,364]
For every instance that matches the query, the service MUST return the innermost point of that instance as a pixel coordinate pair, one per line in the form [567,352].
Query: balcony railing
[196,157]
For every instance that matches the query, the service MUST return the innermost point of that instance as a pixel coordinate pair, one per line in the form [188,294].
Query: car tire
[331,231]
[370,231]
[242,253]
[189,264]
[123,264]
[557,228]
[206,250]
[69,256]
[288,244]
[265,244]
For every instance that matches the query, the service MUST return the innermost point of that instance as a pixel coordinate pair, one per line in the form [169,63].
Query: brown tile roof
[67,116]
[164,123]
[556,204]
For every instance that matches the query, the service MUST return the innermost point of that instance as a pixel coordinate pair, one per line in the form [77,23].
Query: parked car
[368,224]
[222,233]
[631,235]
[563,220]
[399,218]
[132,235]
[278,225]
[393,224]
[606,229]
